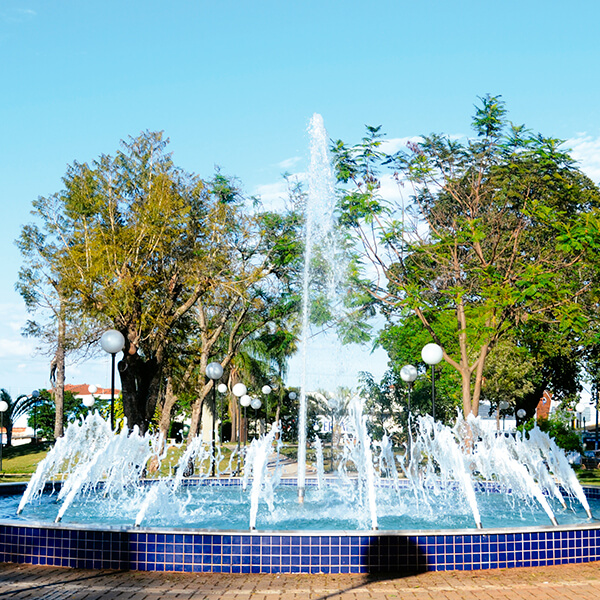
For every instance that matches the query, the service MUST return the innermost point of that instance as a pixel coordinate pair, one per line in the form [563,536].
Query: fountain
[459,506]
[456,498]
[320,235]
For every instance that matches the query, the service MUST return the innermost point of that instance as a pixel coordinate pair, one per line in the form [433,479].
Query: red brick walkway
[24,582]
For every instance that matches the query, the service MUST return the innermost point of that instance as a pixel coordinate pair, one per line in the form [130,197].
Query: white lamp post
[245,401]
[35,395]
[214,371]
[408,374]
[239,390]
[88,402]
[3,409]
[112,341]
[266,390]
[255,403]
[432,354]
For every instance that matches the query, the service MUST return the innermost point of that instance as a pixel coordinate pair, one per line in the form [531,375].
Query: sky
[234,83]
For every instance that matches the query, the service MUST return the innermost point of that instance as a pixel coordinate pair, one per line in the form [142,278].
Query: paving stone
[567,582]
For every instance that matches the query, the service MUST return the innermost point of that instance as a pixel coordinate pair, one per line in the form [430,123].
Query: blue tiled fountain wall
[291,552]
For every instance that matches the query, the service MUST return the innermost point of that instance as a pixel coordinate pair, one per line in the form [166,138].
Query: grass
[588,476]
[20,462]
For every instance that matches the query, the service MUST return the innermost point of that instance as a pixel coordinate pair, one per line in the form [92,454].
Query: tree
[42,413]
[558,427]
[17,408]
[176,263]
[63,329]
[501,232]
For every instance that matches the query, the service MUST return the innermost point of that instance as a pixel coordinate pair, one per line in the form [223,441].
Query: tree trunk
[59,386]
[140,383]
[8,427]
[197,410]
[167,408]
[234,411]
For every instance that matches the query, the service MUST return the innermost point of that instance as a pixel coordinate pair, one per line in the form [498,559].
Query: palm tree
[16,409]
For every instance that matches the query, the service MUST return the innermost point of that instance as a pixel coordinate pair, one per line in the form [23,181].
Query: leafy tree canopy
[499,235]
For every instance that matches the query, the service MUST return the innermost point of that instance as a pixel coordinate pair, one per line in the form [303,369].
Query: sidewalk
[25,582]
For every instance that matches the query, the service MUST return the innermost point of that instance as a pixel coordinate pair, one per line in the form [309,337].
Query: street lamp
[245,401]
[112,341]
[222,389]
[432,354]
[214,371]
[238,390]
[408,374]
[88,402]
[35,395]
[3,409]
[266,390]
[255,403]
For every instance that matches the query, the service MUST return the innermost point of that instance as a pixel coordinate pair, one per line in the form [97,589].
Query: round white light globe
[266,389]
[245,400]
[239,389]
[92,389]
[408,373]
[521,413]
[89,402]
[112,341]
[222,388]
[214,370]
[292,395]
[256,403]
[3,406]
[432,354]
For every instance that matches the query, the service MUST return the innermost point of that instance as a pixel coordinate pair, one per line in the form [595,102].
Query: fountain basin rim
[300,532]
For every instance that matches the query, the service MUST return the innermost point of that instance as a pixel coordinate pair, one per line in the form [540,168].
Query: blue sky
[234,84]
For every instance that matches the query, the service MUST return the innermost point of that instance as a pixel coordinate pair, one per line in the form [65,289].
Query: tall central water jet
[320,233]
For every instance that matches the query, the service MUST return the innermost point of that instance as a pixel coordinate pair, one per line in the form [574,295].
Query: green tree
[42,412]
[59,325]
[185,268]
[135,243]
[500,231]
[558,427]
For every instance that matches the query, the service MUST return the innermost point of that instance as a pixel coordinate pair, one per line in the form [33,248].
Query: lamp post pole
[266,390]
[239,390]
[35,395]
[3,409]
[89,402]
[245,401]
[112,341]
[214,371]
[596,430]
[432,354]
[408,374]
[222,389]
[255,403]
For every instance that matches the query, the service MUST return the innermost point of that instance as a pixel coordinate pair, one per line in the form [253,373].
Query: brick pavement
[567,582]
